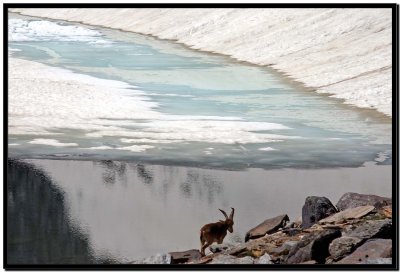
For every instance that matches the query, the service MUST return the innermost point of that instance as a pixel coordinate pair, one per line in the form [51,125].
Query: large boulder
[313,246]
[371,250]
[316,208]
[185,256]
[342,246]
[351,213]
[372,229]
[267,227]
[352,200]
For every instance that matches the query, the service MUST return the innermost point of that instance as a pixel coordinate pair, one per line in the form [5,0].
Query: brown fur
[215,232]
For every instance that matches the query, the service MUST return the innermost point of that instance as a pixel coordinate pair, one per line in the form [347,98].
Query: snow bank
[343,52]
[45,100]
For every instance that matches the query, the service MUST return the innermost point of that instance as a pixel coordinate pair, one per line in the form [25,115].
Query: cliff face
[343,52]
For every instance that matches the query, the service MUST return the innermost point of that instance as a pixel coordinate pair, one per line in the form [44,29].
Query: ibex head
[228,220]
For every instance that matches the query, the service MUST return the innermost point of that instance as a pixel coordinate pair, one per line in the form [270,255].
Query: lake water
[192,132]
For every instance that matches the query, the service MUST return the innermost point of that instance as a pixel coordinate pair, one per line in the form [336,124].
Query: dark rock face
[185,256]
[313,247]
[39,230]
[352,200]
[343,246]
[371,250]
[316,208]
[373,229]
[267,227]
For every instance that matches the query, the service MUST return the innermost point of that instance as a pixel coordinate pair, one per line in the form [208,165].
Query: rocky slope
[358,230]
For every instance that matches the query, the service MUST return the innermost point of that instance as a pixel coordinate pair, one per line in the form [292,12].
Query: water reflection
[38,227]
[150,209]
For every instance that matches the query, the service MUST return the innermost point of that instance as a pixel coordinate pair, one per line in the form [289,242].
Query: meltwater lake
[174,135]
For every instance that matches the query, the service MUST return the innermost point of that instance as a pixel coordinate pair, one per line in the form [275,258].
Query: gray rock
[185,256]
[379,261]
[372,249]
[314,246]
[352,200]
[214,248]
[284,249]
[156,259]
[343,246]
[269,226]
[264,259]
[351,213]
[228,259]
[316,208]
[372,229]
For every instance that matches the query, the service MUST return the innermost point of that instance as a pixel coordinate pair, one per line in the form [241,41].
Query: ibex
[215,232]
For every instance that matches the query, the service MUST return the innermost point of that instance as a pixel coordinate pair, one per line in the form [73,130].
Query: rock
[352,200]
[379,261]
[372,249]
[264,259]
[309,262]
[185,256]
[351,213]
[316,208]
[284,248]
[228,259]
[267,227]
[291,231]
[372,229]
[313,246]
[157,259]
[343,246]
[386,211]
[220,247]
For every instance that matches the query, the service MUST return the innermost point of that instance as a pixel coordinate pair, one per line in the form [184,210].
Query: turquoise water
[215,111]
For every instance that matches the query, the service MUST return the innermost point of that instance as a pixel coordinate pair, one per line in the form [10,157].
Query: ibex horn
[226,216]
[232,213]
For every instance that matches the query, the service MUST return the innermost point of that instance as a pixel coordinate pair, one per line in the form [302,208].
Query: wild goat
[216,232]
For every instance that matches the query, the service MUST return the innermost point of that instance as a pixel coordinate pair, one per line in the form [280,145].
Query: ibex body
[216,232]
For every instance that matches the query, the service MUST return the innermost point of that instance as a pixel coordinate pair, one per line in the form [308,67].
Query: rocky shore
[357,230]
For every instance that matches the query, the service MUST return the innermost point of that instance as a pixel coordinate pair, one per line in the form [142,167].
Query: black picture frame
[395,173]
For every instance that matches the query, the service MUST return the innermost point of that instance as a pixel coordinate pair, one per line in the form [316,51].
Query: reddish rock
[269,226]
[370,250]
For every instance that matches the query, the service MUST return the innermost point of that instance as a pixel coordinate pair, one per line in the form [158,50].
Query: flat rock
[313,246]
[228,259]
[352,213]
[372,249]
[352,200]
[185,256]
[316,208]
[267,227]
[372,229]
[342,246]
